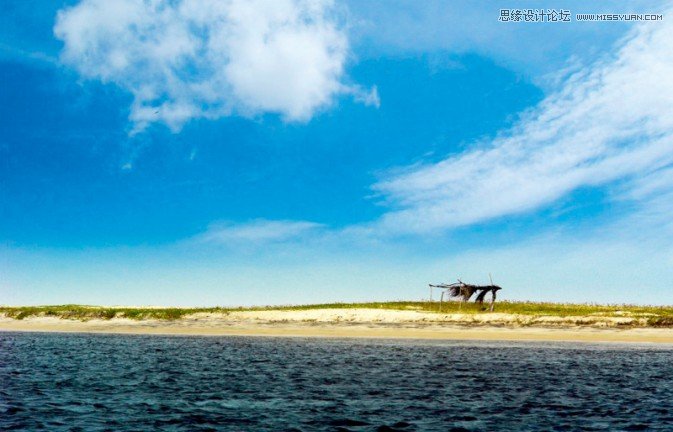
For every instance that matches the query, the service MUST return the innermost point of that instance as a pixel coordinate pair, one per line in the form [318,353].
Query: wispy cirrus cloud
[191,59]
[412,27]
[257,232]
[609,123]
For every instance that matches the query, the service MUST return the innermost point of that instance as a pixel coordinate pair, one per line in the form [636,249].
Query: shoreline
[357,323]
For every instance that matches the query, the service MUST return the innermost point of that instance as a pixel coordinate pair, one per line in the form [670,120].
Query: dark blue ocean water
[138,383]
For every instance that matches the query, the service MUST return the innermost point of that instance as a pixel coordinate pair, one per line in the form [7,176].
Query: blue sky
[202,153]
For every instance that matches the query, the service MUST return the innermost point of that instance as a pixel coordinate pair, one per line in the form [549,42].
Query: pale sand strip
[355,323]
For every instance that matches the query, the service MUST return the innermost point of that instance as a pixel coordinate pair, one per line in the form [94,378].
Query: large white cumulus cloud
[185,59]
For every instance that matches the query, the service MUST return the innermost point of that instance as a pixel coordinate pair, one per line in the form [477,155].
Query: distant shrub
[660,321]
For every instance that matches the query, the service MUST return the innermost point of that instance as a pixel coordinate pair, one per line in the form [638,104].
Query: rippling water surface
[137,383]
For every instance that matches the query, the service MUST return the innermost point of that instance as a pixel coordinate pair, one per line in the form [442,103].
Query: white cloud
[190,59]
[409,27]
[257,232]
[607,123]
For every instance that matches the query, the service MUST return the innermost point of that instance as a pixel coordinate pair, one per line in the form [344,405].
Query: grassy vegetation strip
[656,316]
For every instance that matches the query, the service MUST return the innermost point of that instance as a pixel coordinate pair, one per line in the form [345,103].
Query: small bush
[660,321]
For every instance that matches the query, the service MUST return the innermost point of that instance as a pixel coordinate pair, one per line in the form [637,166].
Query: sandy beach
[365,323]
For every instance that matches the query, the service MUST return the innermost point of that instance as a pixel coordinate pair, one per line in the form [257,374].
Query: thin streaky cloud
[609,122]
[257,232]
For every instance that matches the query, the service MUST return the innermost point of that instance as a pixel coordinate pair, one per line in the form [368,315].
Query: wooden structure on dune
[465,291]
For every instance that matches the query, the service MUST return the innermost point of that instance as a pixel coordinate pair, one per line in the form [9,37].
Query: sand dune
[366,323]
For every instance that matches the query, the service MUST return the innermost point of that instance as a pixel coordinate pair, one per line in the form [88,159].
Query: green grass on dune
[656,315]
[79,312]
